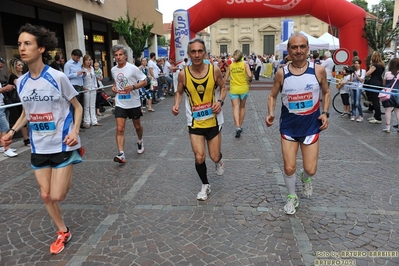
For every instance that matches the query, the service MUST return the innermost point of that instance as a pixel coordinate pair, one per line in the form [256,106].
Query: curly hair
[44,38]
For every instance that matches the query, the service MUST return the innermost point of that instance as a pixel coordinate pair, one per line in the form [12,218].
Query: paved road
[146,212]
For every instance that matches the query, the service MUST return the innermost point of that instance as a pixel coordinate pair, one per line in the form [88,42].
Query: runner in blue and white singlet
[51,91]
[300,103]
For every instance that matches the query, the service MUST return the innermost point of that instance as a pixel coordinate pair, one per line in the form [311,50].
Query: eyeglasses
[302,47]
[194,52]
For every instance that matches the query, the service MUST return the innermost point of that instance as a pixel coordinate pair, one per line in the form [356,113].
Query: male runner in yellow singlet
[206,90]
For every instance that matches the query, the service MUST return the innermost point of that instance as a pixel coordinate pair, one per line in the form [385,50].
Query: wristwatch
[221,102]
[326,113]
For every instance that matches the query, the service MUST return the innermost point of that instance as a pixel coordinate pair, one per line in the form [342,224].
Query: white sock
[290,183]
[121,152]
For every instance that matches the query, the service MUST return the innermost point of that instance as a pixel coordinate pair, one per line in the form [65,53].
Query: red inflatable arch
[347,17]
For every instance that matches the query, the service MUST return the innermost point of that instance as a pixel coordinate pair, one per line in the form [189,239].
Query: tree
[362,3]
[379,31]
[135,37]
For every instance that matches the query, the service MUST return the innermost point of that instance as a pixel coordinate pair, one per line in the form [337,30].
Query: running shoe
[120,158]
[292,203]
[10,153]
[352,118]
[307,188]
[375,121]
[238,132]
[140,147]
[387,130]
[205,191]
[360,119]
[3,150]
[219,167]
[59,243]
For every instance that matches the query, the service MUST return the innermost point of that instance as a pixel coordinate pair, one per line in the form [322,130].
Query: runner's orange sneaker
[59,244]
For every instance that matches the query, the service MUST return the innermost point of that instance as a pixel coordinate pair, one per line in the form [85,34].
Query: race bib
[124,96]
[298,103]
[202,111]
[42,123]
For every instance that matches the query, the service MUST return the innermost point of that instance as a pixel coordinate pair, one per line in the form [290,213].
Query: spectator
[393,102]
[56,64]
[73,70]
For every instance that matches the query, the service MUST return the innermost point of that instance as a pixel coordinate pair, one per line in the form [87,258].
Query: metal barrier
[18,104]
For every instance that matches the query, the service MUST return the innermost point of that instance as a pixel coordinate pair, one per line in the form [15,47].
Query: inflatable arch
[347,17]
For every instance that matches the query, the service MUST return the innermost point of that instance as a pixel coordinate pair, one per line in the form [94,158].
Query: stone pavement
[146,213]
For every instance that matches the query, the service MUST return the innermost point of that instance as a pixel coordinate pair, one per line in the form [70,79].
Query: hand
[269,120]
[6,139]
[71,139]
[114,89]
[175,110]
[324,121]
[217,107]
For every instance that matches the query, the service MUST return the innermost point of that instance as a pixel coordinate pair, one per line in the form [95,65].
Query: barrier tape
[18,104]
[355,86]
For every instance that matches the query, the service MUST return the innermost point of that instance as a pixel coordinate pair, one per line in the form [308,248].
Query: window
[245,49]
[268,44]
[223,49]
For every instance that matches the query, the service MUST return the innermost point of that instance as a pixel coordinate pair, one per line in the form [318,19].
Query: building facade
[258,35]
[79,24]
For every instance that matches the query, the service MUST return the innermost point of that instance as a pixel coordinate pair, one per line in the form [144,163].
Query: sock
[140,140]
[67,230]
[305,176]
[220,158]
[290,183]
[201,170]
[121,152]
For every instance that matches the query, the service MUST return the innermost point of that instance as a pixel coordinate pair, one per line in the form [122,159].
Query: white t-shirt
[345,88]
[126,76]
[328,65]
[46,101]
[155,69]
[166,68]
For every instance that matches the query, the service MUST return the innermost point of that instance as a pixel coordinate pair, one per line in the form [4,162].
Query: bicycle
[339,107]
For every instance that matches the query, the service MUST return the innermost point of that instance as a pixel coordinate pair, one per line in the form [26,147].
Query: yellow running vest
[200,98]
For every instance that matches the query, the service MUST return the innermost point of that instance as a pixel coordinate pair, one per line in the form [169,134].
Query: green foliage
[384,8]
[136,37]
[161,41]
[379,32]
[362,3]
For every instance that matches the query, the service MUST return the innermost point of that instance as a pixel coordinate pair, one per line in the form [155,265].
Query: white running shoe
[205,191]
[120,158]
[219,167]
[292,203]
[140,147]
[3,150]
[10,153]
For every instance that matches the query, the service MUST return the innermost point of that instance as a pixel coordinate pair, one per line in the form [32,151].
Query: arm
[322,77]
[227,75]
[72,138]
[249,72]
[371,70]
[217,107]
[179,93]
[271,100]
[7,138]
